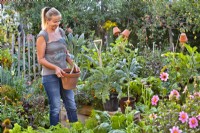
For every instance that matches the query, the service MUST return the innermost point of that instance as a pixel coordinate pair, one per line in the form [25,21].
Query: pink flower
[164,76]
[198,117]
[197,94]
[154,100]
[193,123]
[174,94]
[183,117]
[175,130]
[191,97]
[153,116]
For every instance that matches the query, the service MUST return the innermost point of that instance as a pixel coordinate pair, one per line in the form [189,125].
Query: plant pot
[112,104]
[123,104]
[183,38]
[126,33]
[85,110]
[116,31]
[70,79]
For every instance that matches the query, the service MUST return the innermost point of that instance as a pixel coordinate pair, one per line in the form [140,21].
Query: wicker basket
[70,79]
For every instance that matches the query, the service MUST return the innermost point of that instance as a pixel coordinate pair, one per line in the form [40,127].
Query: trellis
[27,64]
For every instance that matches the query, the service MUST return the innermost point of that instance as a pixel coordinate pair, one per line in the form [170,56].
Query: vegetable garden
[139,62]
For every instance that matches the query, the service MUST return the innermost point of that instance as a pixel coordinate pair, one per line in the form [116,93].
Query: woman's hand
[58,72]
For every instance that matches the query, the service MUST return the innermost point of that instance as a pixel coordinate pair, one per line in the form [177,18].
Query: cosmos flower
[174,94]
[154,100]
[183,117]
[175,130]
[164,76]
[193,122]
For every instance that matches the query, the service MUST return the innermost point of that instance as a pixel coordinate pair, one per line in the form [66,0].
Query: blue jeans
[55,91]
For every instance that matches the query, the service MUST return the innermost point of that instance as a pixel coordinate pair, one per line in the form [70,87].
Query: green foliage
[168,115]
[5,58]
[121,49]
[91,123]
[54,129]
[72,12]
[182,67]
[151,63]
[102,128]
[117,131]
[8,91]
[129,73]
[16,129]
[104,81]
[8,25]
[74,44]
[118,121]
[10,109]
[7,78]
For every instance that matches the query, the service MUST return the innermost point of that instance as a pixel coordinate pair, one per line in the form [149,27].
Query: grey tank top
[55,52]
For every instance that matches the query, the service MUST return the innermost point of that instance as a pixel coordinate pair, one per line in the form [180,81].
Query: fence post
[34,71]
[24,57]
[18,52]
[29,59]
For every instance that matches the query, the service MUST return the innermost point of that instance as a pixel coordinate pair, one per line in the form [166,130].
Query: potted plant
[130,71]
[105,82]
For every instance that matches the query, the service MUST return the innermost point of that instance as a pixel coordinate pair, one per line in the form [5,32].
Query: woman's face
[54,22]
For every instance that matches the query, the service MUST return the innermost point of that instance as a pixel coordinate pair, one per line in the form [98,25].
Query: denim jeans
[55,91]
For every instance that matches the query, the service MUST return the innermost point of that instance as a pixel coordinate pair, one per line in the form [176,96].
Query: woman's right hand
[58,72]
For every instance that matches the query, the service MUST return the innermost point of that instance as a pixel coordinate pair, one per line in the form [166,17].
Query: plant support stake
[99,51]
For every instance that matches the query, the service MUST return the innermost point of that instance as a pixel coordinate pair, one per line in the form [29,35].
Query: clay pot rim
[74,74]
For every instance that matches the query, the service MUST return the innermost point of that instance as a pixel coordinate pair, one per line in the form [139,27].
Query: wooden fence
[24,49]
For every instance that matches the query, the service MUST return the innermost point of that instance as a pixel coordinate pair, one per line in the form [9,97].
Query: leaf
[70,37]
[190,49]
[103,128]
[117,131]
[118,121]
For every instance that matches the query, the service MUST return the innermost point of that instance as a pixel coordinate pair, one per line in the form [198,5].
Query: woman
[52,55]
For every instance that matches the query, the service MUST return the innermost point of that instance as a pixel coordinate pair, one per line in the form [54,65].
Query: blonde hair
[47,13]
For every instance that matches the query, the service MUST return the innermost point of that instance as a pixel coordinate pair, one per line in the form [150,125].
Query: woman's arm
[41,46]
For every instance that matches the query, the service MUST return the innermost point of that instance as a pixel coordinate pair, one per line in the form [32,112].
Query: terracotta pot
[123,103]
[126,33]
[85,110]
[69,81]
[116,31]
[183,38]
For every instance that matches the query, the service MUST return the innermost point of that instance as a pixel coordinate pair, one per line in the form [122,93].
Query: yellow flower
[6,122]
[108,24]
